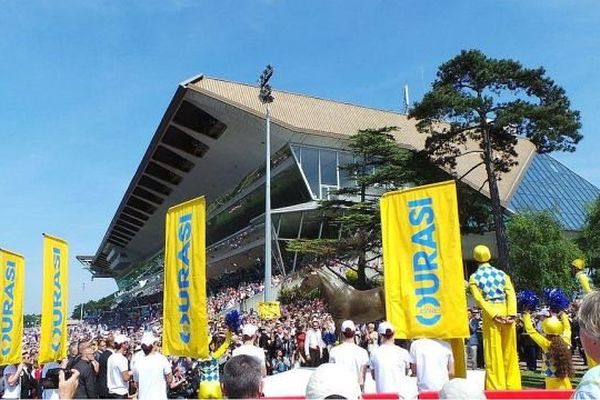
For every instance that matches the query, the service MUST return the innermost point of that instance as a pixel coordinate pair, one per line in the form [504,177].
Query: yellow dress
[493,291]
[552,381]
[584,282]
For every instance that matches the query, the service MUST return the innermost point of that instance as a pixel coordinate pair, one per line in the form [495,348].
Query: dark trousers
[531,357]
[315,357]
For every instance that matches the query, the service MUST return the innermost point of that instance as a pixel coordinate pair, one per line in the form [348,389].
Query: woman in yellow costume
[210,382]
[556,356]
[582,278]
[493,291]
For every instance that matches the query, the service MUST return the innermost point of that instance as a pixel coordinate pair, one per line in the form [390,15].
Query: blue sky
[83,85]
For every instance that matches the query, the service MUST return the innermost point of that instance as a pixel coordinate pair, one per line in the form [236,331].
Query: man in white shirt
[390,363]
[12,381]
[248,347]
[351,356]
[432,362]
[117,368]
[153,371]
[313,344]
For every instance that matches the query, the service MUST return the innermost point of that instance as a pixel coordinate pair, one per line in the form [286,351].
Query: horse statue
[344,301]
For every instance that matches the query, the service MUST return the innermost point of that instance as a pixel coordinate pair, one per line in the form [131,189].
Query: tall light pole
[81,309]
[266,98]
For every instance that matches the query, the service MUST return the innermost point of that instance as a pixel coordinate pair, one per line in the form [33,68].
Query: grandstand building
[210,142]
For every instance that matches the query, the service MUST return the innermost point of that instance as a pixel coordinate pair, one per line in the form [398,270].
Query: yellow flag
[424,282]
[55,287]
[185,316]
[12,271]
[269,310]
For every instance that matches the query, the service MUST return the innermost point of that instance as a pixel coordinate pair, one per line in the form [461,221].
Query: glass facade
[321,169]
[549,185]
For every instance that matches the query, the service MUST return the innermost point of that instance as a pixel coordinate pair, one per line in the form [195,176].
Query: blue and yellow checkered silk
[491,282]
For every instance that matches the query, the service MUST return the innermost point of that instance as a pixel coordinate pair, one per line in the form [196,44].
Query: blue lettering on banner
[57,314]
[424,261]
[7,307]
[183,275]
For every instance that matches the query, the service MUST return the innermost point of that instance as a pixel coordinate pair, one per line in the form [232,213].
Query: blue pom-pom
[233,321]
[527,300]
[329,338]
[556,299]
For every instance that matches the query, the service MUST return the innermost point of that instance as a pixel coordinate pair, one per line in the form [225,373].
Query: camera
[51,379]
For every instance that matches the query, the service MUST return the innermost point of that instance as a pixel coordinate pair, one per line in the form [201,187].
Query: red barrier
[535,394]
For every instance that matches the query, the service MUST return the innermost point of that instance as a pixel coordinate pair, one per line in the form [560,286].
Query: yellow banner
[269,310]
[55,288]
[12,271]
[185,316]
[424,282]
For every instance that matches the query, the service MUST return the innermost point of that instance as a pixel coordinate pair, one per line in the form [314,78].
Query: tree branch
[470,170]
[482,185]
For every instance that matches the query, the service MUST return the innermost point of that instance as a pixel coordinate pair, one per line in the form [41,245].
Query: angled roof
[212,135]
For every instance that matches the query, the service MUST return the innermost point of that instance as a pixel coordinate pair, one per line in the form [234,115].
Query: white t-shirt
[352,357]
[150,372]
[250,350]
[389,364]
[137,356]
[11,392]
[49,394]
[115,366]
[431,357]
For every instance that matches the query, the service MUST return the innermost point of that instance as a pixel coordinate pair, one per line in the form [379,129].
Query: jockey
[494,293]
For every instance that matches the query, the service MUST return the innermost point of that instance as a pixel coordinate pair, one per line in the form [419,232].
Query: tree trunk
[501,240]
[361,281]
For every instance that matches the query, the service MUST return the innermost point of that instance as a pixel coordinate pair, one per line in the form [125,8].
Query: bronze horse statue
[344,301]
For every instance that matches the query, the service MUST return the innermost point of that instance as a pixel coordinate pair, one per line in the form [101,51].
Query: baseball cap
[348,324]
[459,389]
[385,328]
[148,339]
[249,330]
[120,339]
[332,380]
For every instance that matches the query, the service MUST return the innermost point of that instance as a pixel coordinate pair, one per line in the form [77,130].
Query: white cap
[332,379]
[348,324]
[544,312]
[120,339]
[384,327]
[148,339]
[460,389]
[249,330]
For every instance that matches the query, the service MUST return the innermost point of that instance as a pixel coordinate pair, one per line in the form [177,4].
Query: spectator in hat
[349,355]
[313,344]
[153,372]
[242,377]
[117,366]
[248,347]
[332,381]
[389,363]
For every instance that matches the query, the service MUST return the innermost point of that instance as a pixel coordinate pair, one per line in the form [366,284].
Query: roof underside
[212,135]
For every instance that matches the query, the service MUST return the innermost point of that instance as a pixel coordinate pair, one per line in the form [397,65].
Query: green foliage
[493,102]
[32,320]
[93,306]
[589,239]
[540,254]
[289,295]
